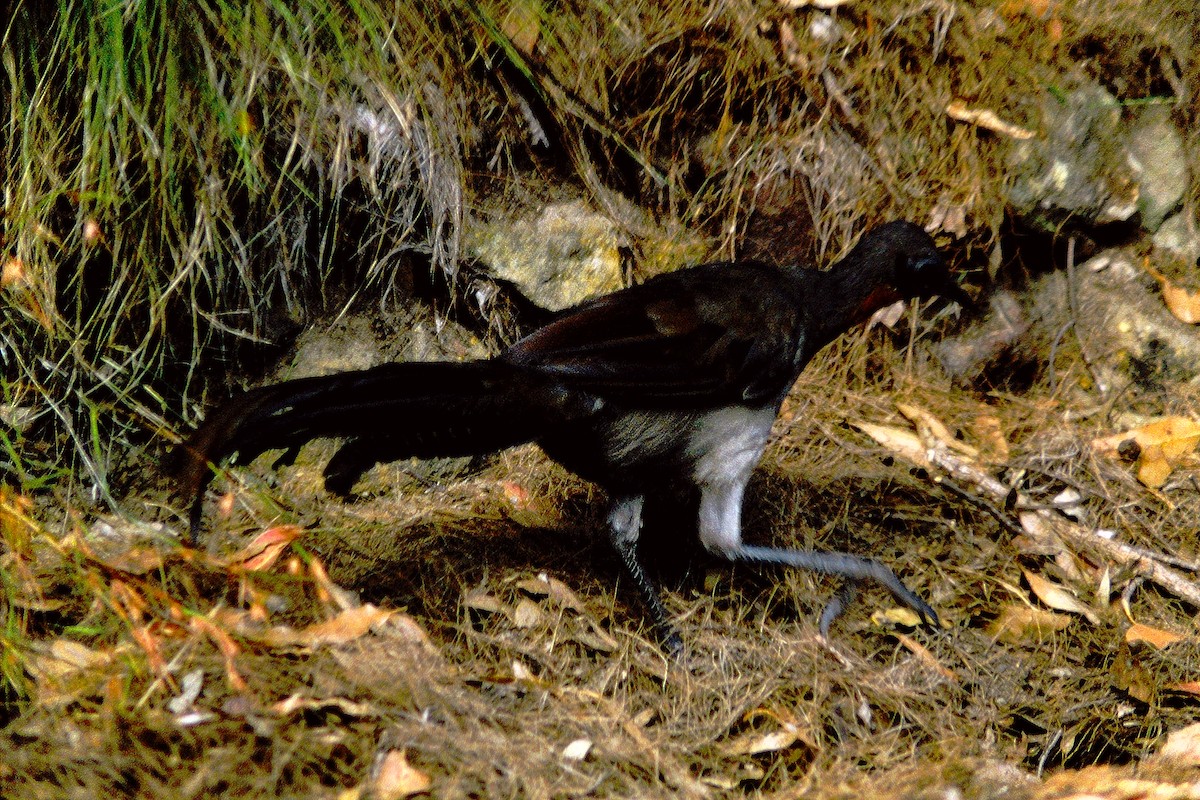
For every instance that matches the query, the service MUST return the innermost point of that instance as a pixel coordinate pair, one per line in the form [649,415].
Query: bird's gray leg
[624,527]
[721,533]
[840,601]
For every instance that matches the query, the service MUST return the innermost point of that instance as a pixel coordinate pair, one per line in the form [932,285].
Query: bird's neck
[848,294]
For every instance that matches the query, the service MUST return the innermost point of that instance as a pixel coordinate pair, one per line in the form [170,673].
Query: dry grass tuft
[186,188]
[520,645]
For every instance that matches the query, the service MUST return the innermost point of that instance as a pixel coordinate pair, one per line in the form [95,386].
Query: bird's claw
[849,590]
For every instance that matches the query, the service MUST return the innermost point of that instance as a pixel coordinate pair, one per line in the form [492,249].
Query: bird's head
[919,269]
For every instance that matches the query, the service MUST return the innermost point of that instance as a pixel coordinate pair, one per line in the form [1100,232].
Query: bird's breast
[726,444]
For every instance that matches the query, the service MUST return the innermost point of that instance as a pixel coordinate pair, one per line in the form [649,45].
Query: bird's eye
[925,265]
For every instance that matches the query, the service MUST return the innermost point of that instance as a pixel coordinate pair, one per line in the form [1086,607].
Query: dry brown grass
[500,676]
[489,678]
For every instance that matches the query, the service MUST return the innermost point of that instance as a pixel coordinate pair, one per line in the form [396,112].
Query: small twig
[1034,465]
[1058,337]
[1050,745]
[1073,302]
[838,96]
[1049,525]
[1166,558]
[1150,564]
[1006,522]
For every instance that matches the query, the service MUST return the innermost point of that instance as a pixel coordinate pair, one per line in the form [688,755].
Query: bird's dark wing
[714,333]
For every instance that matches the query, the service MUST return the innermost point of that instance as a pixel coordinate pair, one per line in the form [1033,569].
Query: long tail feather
[405,409]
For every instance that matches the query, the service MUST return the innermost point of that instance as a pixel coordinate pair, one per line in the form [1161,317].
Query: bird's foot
[671,641]
[929,617]
[849,591]
[837,604]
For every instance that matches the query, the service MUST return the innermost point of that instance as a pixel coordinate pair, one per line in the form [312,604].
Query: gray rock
[346,344]
[1079,167]
[361,341]
[1135,337]
[1117,318]
[1179,237]
[1156,154]
[564,255]
[966,355]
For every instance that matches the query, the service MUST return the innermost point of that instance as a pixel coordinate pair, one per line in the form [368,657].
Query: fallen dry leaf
[896,615]
[136,560]
[265,549]
[298,702]
[224,642]
[1069,503]
[66,671]
[922,652]
[888,316]
[930,427]
[1020,624]
[1177,434]
[1112,783]
[1129,676]
[948,216]
[67,655]
[990,433]
[752,744]
[1104,588]
[522,24]
[329,592]
[397,778]
[341,629]
[1157,637]
[1183,746]
[1188,687]
[758,742]
[1183,304]
[545,586]
[1163,444]
[594,638]
[1060,598]
[479,600]
[986,118]
[1153,467]
[903,443]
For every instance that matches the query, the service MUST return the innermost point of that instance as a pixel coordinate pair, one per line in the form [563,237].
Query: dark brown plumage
[677,378]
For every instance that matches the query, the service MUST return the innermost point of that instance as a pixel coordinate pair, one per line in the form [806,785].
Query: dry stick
[1151,565]
[1047,525]
[1073,303]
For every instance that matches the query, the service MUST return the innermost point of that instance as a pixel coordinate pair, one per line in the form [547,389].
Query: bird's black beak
[952,291]
[928,275]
